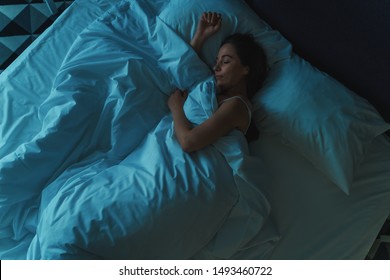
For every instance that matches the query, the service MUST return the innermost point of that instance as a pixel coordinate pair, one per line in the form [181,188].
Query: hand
[209,24]
[177,99]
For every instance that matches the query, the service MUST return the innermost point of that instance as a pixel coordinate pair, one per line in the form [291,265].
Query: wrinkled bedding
[98,172]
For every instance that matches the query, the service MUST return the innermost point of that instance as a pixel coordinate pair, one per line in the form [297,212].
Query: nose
[216,67]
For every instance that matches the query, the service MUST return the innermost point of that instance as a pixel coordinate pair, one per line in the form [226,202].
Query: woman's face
[228,70]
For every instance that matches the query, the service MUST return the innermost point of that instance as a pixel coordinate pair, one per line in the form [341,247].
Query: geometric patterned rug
[22,21]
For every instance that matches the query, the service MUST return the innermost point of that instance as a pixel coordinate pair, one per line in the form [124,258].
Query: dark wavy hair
[252,55]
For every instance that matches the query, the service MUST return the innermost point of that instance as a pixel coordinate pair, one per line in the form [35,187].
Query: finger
[209,17]
[216,18]
[176,92]
[179,94]
[219,22]
[212,18]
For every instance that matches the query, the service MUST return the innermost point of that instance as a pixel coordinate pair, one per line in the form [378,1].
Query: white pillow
[183,15]
[319,117]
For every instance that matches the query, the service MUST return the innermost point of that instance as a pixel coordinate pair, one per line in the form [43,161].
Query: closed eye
[225,59]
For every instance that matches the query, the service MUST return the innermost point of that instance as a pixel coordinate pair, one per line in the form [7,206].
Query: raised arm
[209,24]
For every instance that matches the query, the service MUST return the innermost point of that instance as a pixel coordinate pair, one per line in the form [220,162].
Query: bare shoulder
[235,104]
[236,111]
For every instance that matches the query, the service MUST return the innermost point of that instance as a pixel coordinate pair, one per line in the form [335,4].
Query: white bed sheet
[43,58]
[315,218]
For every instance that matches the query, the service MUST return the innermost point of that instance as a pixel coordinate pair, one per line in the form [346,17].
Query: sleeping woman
[159,199]
[239,70]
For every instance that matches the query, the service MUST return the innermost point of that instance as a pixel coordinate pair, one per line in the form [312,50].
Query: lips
[218,77]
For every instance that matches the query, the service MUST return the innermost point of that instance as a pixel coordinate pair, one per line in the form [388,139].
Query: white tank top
[247,106]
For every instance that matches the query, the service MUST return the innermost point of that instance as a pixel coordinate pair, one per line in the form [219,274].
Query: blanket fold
[104,176]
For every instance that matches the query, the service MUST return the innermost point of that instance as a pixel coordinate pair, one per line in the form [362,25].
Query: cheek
[235,70]
[228,71]
[235,74]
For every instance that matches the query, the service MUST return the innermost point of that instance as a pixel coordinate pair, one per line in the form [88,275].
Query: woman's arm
[230,115]
[208,24]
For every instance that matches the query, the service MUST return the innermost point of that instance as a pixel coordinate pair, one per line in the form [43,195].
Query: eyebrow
[225,55]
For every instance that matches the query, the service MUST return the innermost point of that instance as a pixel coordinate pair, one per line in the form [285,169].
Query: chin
[218,86]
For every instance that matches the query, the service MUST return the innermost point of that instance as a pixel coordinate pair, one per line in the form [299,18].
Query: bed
[90,168]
